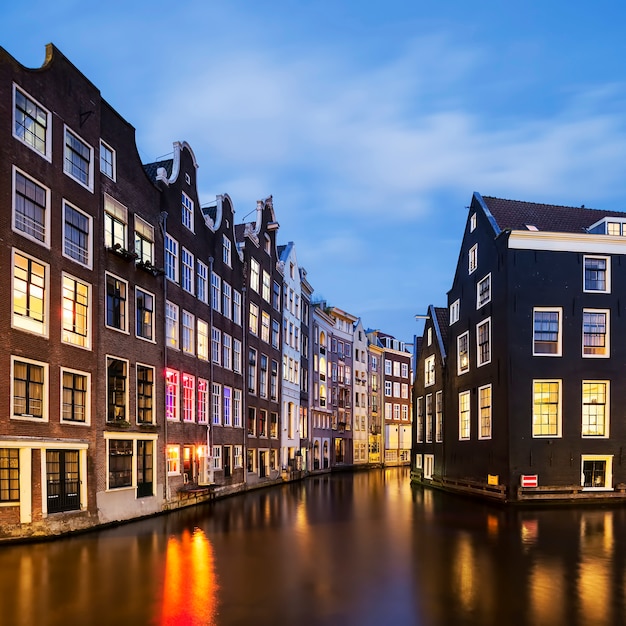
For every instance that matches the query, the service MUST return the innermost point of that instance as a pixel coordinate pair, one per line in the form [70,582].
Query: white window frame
[26,322]
[47,153]
[465,415]
[66,334]
[487,298]
[44,400]
[45,242]
[202,337]
[89,262]
[187,267]
[480,360]
[124,327]
[455,310]
[607,334]
[559,341]
[188,340]
[429,371]
[487,417]
[462,368]
[187,212]
[87,375]
[608,474]
[172,332]
[472,259]
[202,275]
[105,147]
[607,405]
[559,415]
[89,184]
[607,275]
[171,258]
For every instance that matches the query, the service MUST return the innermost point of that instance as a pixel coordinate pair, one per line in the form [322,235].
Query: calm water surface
[361,548]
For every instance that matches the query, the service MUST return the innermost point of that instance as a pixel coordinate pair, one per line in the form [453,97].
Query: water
[360,548]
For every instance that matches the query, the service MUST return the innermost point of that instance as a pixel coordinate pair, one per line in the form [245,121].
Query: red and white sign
[529,480]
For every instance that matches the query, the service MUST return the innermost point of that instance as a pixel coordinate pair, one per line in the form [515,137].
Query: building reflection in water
[190,587]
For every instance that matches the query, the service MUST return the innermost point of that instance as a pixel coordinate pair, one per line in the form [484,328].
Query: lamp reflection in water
[190,584]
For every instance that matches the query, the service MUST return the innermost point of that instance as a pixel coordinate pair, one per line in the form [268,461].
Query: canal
[362,548]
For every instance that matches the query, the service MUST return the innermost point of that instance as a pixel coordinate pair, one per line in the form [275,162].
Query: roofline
[488,214]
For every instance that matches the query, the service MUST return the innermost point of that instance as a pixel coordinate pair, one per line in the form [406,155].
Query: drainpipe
[244,380]
[163,227]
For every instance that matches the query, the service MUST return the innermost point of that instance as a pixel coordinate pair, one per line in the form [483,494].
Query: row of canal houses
[520,381]
[153,352]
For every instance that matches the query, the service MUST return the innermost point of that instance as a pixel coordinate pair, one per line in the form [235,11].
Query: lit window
[595,333]
[203,340]
[484,412]
[9,475]
[30,209]
[253,320]
[171,325]
[75,396]
[597,471]
[265,327]
[595,409]
[29,399]
[115,222]
[462,343]
[429,418]
[116,303]
[76,235]
[483,339]
[254,275]
[173,460]
[188,323]
[547,332]
[464,415]
[78,161]
[75,317]
[32,123]
[189,397]
[546,408]
[30,294]
[144,314]
[145,394]
[120,463]
[107,160]
[439,417]
[429,371]
[144,241]
[117,390]
[171,394]
[597,274]
[187,211]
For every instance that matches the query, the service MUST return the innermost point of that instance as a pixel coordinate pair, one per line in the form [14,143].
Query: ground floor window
[120,463]
[250,457]
[145,479]
[9,475]
[597,472]
[63,480]
[429,465]
[340,448]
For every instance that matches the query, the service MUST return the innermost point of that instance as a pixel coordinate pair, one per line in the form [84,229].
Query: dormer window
[614,226]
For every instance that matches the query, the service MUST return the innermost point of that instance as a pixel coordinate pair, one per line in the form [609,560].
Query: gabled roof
[518,215]
[151,168]
[443,321]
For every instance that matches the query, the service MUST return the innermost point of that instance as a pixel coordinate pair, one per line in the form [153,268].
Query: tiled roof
[443,322]
[210,210]
[518,215]
[151,168]
[239,230]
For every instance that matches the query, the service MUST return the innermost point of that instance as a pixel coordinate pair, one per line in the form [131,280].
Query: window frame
[607,273]
[472,259]
[47,141]
[485,413]
[152,396]
[607,334]
[31,417]
[104,148]
[559,340]
[123,328]
[90,164]
[89,248]
[559,409]
[27,322]
[151,324]
[480,358]
[607,410]
[460,367]
[66,333]
[487,298]
[465,415]
[45,241]
[455,311]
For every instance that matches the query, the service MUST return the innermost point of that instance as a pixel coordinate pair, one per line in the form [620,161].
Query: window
[595,409]
[253,319]
[226,412]
[265,327]
[30,294]
[419,426]
[483,341]
[116,303]
[144,241]
[173,460]
[254,275]
[203,401]
[237,408]
[266,287]
[597,276]
[217,457]
[405,392]
[78,161]
[31,202]
[226,251]
[455,309]
[189,398]
[171,394]
[429,370]
[429,336]
[145,394]
[107,160]
[203,340]
[595,333]
[262,423]
[439,417]
[74,396]
[115,221]
[597,471]
[483,291]
[546,332]
[274,426]
[226,300]
[236,307]
[237,356]
[9,475]
[238,456]
[75,317]
[76,235]
[472,222]
[251,421]
[171,325]
[202,283]
[263,377]
[227,351]
[216,404]
[546,408]
[189,341]
[275,334]
[29,389]
[276,296]
[216,288]
[32,123]
[187,211]
[484,412]
[464,415]
[186,274]
[144,314]
[171,258]
[117,390]
[405,370]
[216,345]
[462,345]
[473,258]
[388,388]
[274,381]
[252,370]
[120,463]
[387,367]
[429,418]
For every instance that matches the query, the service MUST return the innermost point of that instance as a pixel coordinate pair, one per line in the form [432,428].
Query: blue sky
[371,123]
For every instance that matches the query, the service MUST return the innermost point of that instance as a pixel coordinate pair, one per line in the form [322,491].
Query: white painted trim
[567,242]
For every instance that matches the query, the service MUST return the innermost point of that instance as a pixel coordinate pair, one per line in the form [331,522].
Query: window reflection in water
[190,585]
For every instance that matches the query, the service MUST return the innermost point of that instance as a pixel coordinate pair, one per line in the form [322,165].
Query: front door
[227,462]
[63,480]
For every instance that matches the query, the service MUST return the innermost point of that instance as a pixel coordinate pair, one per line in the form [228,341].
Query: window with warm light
[171,394]
[464,415]
[76,298]
[462,344]
[546,408]
[484,412]
[595,418]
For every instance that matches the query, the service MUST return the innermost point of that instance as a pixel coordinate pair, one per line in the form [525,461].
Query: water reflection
[351,549]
